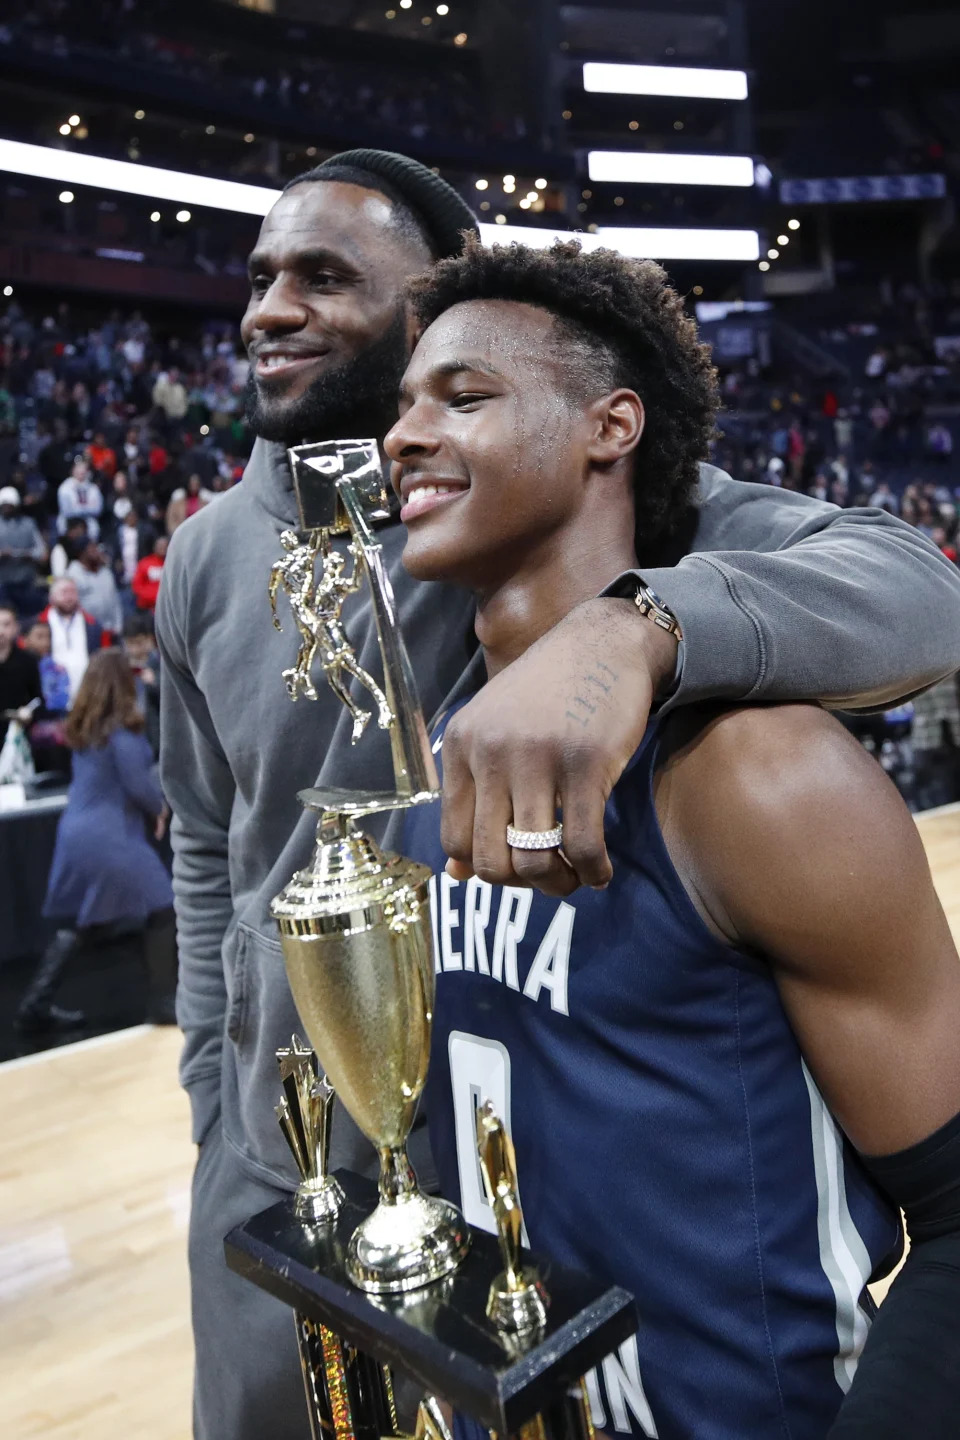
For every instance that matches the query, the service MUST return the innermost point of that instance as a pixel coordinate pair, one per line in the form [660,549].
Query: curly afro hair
[619,323]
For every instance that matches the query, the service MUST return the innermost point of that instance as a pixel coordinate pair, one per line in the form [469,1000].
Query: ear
[619,419]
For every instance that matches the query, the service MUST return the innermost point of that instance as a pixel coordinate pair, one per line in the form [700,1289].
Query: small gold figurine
[517,1301]
[316,604]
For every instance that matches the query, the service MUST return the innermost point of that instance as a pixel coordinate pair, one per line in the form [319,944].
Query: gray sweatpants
[247,1383]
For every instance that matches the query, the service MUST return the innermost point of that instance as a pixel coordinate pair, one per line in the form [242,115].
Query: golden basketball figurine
[316,603]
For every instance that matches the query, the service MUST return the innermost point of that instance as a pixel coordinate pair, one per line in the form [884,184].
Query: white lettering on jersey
[511,928]
[551,963]
[433,924]
[449,921]
[624,1390]
[476,917]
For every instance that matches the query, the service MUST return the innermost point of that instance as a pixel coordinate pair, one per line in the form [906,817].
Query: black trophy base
[439,1334]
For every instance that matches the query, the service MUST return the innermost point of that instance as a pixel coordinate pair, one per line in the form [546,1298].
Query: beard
[356,399]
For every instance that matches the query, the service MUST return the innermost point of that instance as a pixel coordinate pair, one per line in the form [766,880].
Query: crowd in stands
[356,96]
[881,429]
[110,437]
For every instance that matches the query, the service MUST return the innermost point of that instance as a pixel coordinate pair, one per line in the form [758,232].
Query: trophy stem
[397,1176]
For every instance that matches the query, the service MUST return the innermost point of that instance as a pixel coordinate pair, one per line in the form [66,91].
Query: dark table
[27,837]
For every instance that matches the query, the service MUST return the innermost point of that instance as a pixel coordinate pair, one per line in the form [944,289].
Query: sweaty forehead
[507,335]
[345,219]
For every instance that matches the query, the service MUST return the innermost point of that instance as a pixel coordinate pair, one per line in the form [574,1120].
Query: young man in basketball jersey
[727,1070]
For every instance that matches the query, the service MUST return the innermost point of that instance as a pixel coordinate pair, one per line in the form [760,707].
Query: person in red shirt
[148,574]
[159,459]
[102,457]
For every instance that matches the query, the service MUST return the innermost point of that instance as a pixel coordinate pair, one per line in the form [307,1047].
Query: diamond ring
[534,839]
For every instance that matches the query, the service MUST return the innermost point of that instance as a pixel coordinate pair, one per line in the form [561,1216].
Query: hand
[148,676]
[553,730]
[160,825]
[25,714]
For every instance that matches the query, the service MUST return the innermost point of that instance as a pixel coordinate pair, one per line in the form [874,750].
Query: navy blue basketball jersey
[669,1137]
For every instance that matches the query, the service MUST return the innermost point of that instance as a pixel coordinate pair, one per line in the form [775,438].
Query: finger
[584,806]
[535,809]
[493,812]
[458,802]
[457,870]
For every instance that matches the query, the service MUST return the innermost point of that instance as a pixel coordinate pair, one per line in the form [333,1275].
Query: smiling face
[494,451]
[324,329]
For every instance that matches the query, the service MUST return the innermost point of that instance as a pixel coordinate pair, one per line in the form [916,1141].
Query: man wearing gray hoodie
[21,551]
[779,597]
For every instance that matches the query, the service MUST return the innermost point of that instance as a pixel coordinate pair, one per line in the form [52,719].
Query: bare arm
[794,843]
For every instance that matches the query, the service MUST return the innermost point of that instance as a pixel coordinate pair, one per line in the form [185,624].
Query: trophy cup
[385,1276]
[354,924]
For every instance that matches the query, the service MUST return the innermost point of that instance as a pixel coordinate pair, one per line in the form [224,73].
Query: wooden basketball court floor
[95,1165]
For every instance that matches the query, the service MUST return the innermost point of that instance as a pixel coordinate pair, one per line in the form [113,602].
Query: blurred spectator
[118,503]
[78,495]
[939,441]
[936,745]
[132,542]
[47,739]
[74,637]
[883,498]
[942,541]
[876,364]
[20,689]
[184,503]
[140,648]
[68,547]
[54,680]
[104,868]
[146,580]
[102,456]
[170,396]
[21,551]
[96,587]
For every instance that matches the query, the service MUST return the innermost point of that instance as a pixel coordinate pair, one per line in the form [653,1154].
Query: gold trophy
[394,1283]
[355,923]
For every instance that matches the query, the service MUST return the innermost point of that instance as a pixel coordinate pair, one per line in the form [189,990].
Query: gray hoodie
[784,598]
[20,536]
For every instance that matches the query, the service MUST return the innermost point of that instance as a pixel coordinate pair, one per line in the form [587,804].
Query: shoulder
[771,762]
[129,744]
[775,805]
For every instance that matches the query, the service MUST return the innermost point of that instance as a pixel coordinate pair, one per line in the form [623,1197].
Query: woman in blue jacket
[104,867]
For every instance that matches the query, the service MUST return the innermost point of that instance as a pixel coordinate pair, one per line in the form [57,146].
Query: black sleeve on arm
[908,1380]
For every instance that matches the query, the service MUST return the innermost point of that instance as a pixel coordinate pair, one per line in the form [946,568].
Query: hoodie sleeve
[788,598]
[199,788]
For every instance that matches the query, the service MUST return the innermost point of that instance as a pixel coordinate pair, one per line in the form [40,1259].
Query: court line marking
[950,809]
[91,1043]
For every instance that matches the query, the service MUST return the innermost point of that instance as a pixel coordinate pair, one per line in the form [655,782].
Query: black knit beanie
[438,207]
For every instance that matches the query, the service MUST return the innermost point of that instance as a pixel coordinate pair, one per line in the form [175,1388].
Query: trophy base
[407,1244]
[318,1201]
[519,1311]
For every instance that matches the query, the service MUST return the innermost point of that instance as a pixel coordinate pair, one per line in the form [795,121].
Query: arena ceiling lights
[647,243]
[45,163]
[640,243]
[700,84]
[636,167]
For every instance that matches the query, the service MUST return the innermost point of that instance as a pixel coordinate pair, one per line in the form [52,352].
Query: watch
[648,602]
